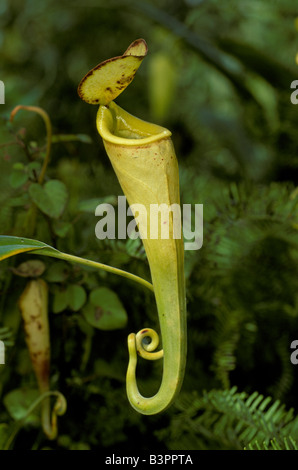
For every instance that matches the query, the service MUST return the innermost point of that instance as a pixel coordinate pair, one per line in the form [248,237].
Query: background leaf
[18,401]
[50,198]
[60,302]
[104,310]
[76,297]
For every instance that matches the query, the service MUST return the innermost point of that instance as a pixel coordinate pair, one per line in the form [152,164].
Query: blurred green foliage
[218,75]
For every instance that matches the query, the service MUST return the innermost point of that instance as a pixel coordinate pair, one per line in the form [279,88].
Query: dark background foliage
[218,74]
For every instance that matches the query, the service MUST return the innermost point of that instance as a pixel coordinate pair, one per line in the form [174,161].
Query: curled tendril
[145,350]
[50,429]
[60,405]
[58,410]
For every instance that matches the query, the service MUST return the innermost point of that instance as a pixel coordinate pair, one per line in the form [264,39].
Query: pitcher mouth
[119,127]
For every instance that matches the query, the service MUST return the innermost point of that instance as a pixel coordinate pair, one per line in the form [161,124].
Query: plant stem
[104,267]
[32,213]
[47,121]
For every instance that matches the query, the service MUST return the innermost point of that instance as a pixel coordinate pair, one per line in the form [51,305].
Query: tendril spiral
[145,350]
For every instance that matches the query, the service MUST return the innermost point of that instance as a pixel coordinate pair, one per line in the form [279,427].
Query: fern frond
[231,420]
[226,339]
[288,444]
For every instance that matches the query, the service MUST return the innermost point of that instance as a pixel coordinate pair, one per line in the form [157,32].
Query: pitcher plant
[143,157]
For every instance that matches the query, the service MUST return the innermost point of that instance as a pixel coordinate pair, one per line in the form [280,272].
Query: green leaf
[18,401]
[60,302]
[10,246]
[104,310]
[17,178]
[76,297]
[57,272]
[73,296]
[50,198]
